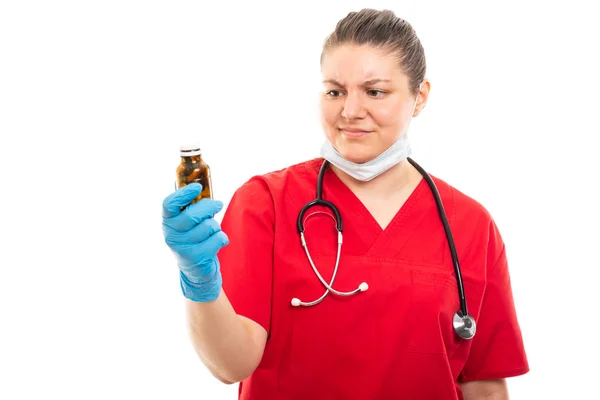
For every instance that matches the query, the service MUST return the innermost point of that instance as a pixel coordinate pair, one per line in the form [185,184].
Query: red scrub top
[396,339]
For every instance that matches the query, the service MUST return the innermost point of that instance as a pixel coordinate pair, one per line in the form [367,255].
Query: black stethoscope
[463,323]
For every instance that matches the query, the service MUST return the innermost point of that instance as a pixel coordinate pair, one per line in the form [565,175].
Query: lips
[353,132]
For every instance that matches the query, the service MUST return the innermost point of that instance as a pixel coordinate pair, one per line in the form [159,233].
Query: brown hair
[382,29]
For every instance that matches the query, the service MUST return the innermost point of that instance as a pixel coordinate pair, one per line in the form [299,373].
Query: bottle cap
[192,149]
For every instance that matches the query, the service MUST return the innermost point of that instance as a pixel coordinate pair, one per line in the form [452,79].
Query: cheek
[329,115]
[393,120]
[389,116]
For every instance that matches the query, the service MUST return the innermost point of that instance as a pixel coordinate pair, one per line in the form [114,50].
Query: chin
[356,153]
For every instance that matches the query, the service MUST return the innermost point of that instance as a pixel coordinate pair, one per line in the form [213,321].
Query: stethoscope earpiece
[363,287]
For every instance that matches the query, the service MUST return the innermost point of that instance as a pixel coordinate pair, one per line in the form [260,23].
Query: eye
[333,93]
[376,93]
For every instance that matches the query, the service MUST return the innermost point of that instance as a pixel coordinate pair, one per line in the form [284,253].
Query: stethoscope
[463,323]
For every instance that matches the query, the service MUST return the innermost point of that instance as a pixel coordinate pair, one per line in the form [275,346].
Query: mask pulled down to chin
[369,170]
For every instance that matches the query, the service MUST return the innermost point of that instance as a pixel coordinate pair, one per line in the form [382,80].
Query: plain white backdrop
[97,96]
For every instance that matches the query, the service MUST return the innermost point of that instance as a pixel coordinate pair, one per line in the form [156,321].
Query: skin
[364,89]
[385,109]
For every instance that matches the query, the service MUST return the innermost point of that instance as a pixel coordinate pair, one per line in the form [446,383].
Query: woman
[250,282]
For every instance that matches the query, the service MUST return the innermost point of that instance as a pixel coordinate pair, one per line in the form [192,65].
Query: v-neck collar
[399,228]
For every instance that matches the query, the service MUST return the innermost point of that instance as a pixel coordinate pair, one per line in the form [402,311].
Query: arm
[229,345]
[494,389]
[229,333]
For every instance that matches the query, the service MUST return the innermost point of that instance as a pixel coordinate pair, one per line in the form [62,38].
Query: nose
[353,107]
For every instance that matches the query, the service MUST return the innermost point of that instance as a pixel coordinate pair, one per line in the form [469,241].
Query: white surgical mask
[366,171]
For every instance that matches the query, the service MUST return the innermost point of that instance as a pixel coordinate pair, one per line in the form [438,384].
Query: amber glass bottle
[192,168]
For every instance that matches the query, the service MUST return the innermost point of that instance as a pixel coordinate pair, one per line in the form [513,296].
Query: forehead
[350,64]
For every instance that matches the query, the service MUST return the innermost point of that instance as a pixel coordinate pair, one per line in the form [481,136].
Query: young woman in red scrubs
[394,340]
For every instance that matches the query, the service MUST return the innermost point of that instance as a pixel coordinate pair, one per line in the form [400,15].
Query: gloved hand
[195,239]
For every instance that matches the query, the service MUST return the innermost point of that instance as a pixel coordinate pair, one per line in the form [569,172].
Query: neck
[402,176]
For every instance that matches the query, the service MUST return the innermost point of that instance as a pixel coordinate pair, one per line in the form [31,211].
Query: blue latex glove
[195,239]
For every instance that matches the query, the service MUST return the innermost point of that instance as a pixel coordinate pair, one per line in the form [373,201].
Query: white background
[97,96]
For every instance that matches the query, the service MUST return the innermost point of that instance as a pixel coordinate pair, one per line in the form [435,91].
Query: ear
[422,96]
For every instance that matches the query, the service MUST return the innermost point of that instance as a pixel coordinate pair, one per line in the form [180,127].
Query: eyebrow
[366,83]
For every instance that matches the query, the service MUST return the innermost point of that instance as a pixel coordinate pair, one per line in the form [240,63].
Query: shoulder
[463,205]
[470,219]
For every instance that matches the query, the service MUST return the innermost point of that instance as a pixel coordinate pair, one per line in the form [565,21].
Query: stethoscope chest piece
[464,326]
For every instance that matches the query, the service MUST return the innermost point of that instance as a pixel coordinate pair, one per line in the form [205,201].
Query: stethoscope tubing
[449,237]
[463,323]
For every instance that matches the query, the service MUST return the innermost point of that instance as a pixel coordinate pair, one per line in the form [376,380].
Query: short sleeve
[247,261]
[497,350]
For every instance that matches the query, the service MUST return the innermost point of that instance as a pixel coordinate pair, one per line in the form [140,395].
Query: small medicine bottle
[192,168]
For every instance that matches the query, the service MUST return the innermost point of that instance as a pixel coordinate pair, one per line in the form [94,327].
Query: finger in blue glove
[195,238]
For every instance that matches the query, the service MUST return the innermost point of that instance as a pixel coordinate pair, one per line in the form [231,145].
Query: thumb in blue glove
[195,238]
